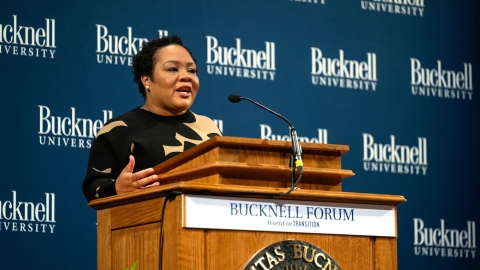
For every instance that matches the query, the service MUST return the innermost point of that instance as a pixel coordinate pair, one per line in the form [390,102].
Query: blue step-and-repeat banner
[393,79]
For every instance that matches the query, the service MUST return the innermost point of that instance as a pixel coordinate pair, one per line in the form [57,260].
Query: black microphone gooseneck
[296,149]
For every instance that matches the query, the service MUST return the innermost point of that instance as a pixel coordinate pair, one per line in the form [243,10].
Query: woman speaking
[128,146]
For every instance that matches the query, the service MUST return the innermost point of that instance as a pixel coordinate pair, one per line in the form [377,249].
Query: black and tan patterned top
[149,137]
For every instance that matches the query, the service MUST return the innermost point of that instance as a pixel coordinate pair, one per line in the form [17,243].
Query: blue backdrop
[393,79]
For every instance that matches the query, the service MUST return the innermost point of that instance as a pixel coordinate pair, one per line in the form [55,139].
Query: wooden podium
[129,225]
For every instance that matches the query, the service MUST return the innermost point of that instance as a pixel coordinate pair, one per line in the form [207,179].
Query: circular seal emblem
[292,255]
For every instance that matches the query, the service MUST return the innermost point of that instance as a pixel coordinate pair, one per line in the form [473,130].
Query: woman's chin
[180,109]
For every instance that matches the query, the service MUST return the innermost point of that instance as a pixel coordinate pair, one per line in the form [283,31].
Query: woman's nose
[185,76]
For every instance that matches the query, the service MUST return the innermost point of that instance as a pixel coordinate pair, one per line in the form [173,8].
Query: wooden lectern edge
[236,190]
[219,166]
[227,140]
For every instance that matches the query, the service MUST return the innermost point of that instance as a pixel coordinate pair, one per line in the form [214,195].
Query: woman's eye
[173,69]
[193,71]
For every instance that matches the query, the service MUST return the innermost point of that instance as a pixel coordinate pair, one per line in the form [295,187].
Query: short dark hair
[144,61]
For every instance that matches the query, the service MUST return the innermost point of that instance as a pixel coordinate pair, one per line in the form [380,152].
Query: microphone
[237,98]
[296,149]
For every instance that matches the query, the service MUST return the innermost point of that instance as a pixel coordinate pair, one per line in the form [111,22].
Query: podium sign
[252,214]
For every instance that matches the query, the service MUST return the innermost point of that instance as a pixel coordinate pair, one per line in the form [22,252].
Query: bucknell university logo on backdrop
[394,158]
[119,50]
[31,41]
[69,131]
[439,83]
[344,73]
[239,62]
[401,7]
[17,215]
[444,241]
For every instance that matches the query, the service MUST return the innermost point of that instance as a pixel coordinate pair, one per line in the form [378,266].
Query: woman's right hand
[128,181]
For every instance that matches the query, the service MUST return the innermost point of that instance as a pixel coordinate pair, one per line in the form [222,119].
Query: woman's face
[174,82]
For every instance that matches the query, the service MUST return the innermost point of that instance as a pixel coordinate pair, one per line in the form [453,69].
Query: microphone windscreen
[234,98]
